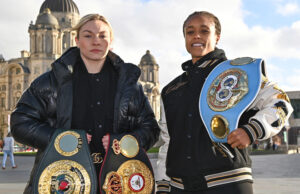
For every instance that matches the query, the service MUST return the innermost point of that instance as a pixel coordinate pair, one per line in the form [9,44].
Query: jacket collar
[215,54]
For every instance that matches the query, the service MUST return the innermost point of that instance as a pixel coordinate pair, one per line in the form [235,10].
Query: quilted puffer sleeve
[147,130]
[29,124]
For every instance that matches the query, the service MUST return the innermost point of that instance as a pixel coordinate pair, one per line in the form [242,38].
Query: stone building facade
[150,81]
[50,36]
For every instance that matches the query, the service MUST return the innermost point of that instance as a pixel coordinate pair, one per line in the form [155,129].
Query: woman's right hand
[89,138]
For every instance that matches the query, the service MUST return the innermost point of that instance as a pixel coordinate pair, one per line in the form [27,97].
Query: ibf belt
[126,168]
[66,166]
[228,91]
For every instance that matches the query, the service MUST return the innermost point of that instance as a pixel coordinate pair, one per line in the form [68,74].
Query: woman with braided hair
[189,160]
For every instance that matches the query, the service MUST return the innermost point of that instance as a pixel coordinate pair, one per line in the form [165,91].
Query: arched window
[145,75]
[150,76]
[40,43]
[64,42]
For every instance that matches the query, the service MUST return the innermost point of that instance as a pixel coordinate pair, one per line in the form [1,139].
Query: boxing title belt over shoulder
[228,91]
[126,167]
[66,166]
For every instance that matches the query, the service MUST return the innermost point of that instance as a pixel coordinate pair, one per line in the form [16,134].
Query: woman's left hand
[238,138]
[105,141]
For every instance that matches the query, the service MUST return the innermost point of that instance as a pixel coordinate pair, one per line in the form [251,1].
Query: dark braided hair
[207,14]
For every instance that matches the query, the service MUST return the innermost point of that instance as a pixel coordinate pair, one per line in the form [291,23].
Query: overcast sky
[268,29]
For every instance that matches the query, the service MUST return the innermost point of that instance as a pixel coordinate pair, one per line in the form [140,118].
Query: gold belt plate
[65,176]
[68,143]
[128,146]
[133,176]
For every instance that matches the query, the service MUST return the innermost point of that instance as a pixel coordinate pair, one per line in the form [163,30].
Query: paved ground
[273,174]
[276,174]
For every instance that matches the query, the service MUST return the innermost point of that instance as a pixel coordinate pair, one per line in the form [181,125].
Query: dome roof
[148,59]
[47,18]
[60,6]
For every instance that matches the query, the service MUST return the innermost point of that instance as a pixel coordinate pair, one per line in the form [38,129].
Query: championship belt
[66,166]
[228,91]
[126,168]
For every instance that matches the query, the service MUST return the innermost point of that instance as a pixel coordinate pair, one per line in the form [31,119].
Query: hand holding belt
[66,166]
[126,167]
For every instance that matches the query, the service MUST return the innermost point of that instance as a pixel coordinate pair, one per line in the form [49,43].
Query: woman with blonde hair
[89,88]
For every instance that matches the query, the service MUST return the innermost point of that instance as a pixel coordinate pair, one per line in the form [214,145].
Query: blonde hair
[91,17]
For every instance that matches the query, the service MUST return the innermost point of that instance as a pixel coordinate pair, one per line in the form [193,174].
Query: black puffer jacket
[47,105]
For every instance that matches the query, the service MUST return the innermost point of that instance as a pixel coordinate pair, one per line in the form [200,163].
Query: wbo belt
[228,91]
[66,166]
[202,182]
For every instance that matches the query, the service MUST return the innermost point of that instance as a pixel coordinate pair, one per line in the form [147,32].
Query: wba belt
[126,167]
[66,166]
[228,91]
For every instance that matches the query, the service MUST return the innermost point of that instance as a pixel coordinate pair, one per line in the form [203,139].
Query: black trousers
[235,188]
